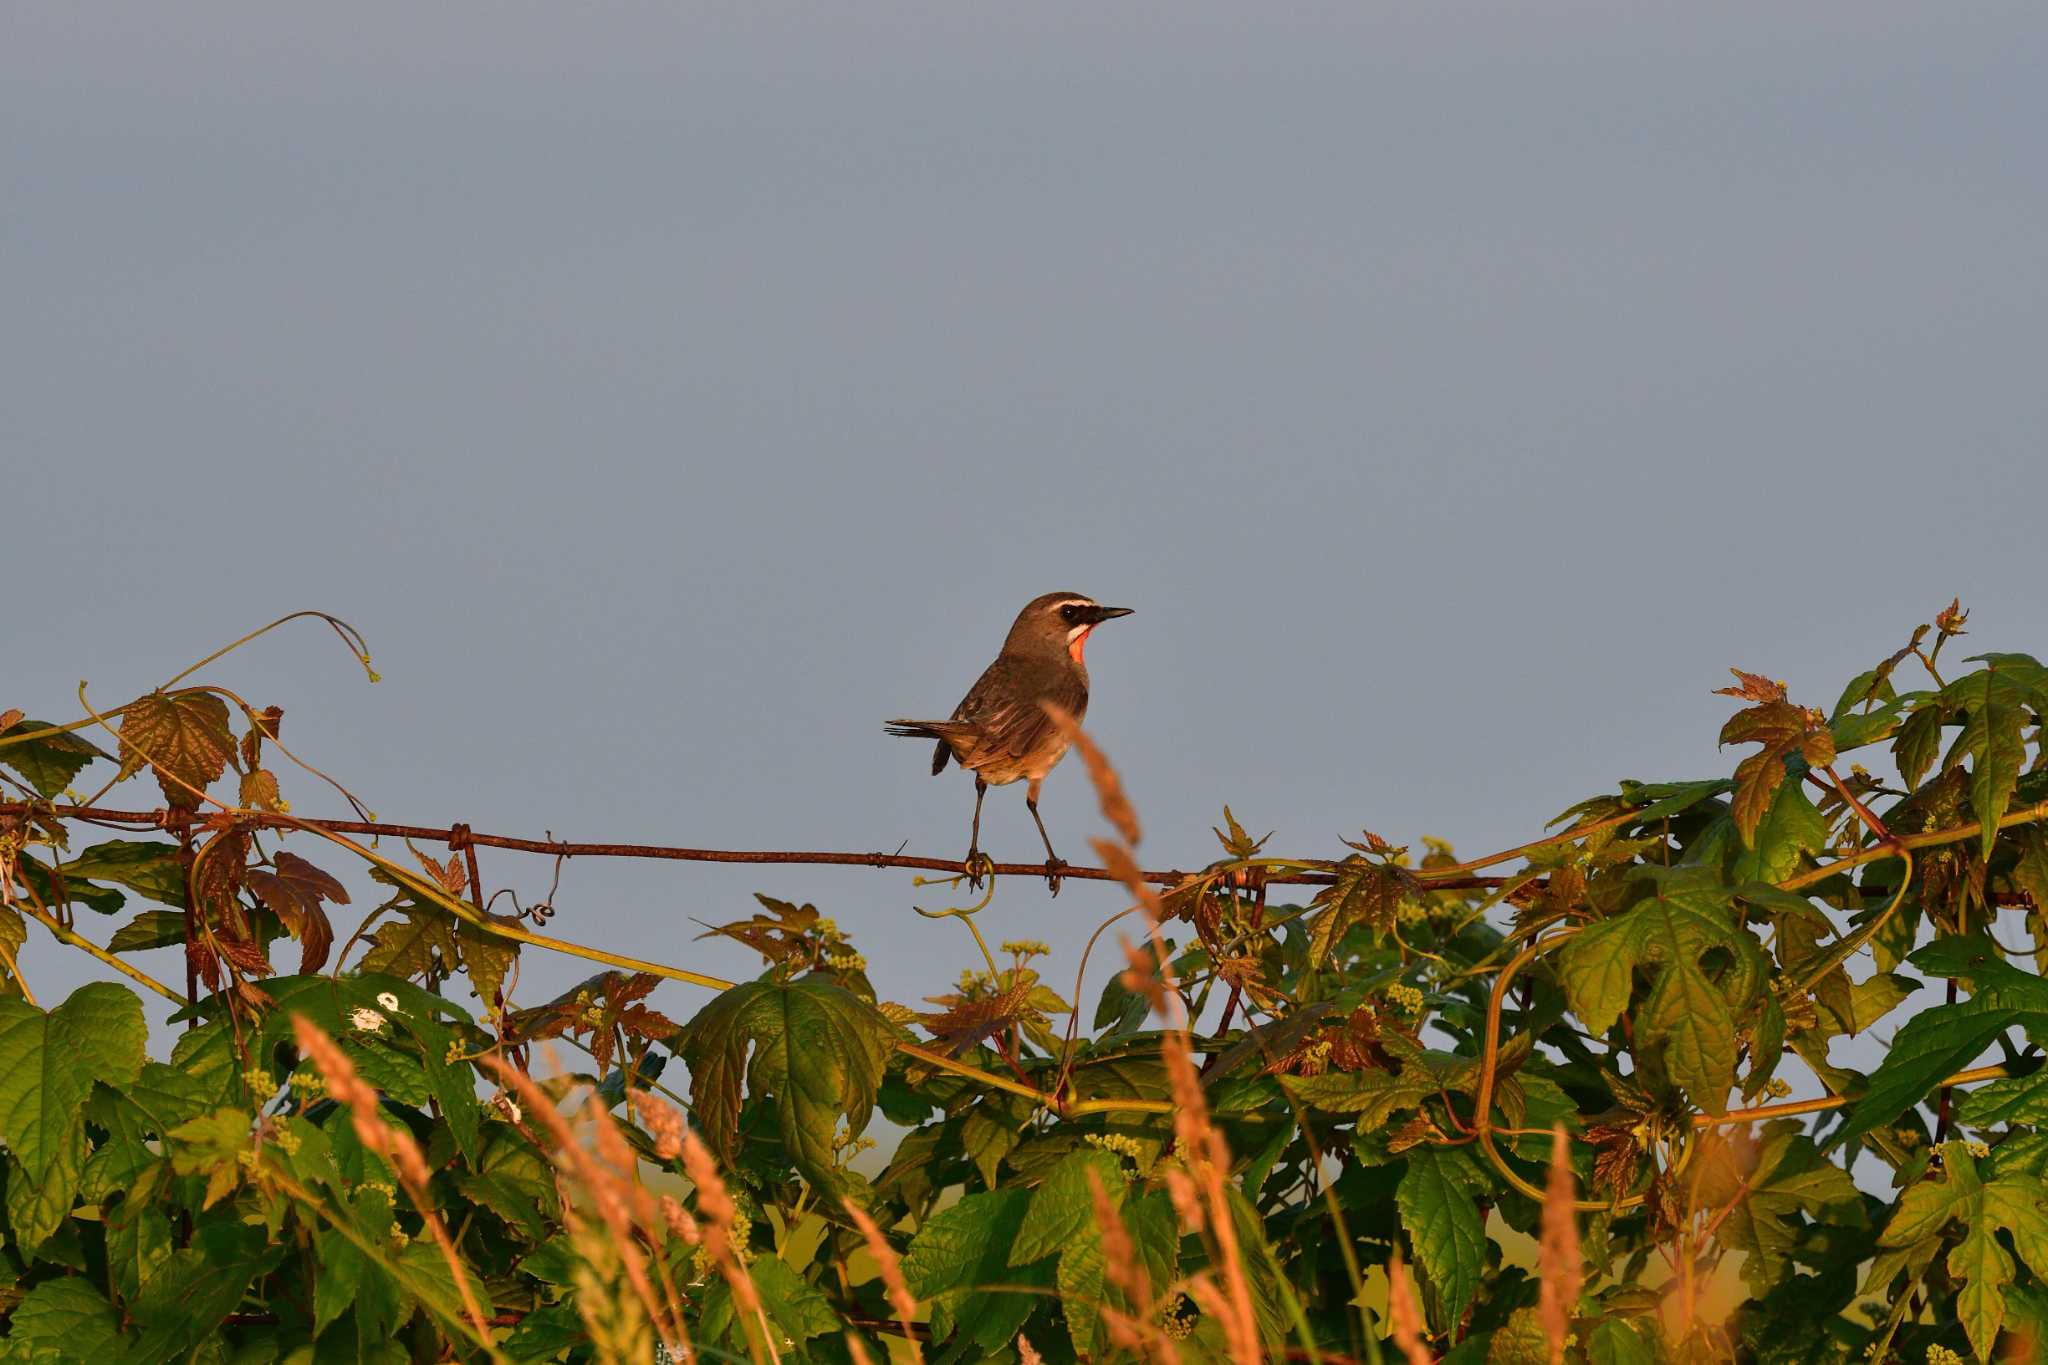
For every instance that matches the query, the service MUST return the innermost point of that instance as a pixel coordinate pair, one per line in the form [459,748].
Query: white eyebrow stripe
[1073,602]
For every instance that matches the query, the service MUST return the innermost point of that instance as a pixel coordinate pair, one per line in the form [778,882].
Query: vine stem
[65,934]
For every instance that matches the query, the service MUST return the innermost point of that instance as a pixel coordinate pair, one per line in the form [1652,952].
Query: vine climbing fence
[1315,1100]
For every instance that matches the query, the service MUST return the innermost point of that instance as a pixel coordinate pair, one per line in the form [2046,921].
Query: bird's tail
[946,732]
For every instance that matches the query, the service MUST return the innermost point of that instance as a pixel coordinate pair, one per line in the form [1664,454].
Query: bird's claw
[975,866]
[1053,868]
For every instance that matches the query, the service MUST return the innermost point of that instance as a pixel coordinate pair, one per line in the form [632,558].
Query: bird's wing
[1004,706]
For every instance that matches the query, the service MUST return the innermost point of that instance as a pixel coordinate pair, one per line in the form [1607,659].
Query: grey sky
[674,392]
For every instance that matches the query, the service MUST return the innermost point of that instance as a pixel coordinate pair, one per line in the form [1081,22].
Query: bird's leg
[973,863]
[1054,864]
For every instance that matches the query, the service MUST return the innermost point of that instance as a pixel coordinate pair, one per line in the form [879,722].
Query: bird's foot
[975,866]
[1053,868]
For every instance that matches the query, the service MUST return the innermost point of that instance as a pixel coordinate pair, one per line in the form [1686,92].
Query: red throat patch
[1078,645]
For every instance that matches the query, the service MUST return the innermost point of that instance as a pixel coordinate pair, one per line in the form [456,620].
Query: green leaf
[1617,1342]
[1855,729]
[1764,1188]
[1940,1041]
[1440,1214]
[818,1050]
[1374,1096]
[1063,1205]
[966,1244]
[425,1277]
[37,1207]
[149,929]
[48,1063]
[197,1286]
[1790,829]
[2016,1099]
[2011,1203]
[54,890]
[1364,892]
[64,1320]
[1784,730]
[987,1135]
[155,869]
[138,1244]
[1691,920]
[792,1303]
[408,946]
[1918,741]
[1671,798]
[1995,716]
[48,764]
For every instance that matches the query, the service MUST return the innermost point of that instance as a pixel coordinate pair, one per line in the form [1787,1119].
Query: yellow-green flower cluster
[1779,1088]
[310,1084]
[1406,999]
[848,961]
[1025,947]
[1977,1148]
[287,1141]
[1121,1145]
[1411,911]
[1942,1355]
[1180,1318]
[259,1082]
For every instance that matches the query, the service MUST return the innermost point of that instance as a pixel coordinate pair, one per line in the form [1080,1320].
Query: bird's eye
[1070,612]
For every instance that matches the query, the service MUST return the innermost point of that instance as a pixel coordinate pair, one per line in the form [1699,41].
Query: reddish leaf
[184,738]
[294,892]
[1782,729]
[1755,687]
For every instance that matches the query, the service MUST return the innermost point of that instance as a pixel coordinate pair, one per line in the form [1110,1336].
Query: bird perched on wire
[1000,731]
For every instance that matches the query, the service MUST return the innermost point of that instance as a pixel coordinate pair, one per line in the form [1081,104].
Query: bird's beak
[1101,614]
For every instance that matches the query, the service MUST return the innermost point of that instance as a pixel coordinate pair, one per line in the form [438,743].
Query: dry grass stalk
[1199,1195]
[664,1121]
[679,1221]
[395,1145]
[856,1350]
[1116,807]
[1124,1269]
[1207,1158]
[891,1267]
[1558,1262]
[616,1320]
[1403,1315]
[1027,1354]
[609,1178]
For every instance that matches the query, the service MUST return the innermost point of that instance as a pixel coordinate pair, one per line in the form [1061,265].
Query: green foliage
[1380,1064]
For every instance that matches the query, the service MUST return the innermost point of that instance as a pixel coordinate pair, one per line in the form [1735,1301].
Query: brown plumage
[1000,731]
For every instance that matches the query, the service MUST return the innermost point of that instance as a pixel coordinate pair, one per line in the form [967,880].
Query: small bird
[1000,731]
